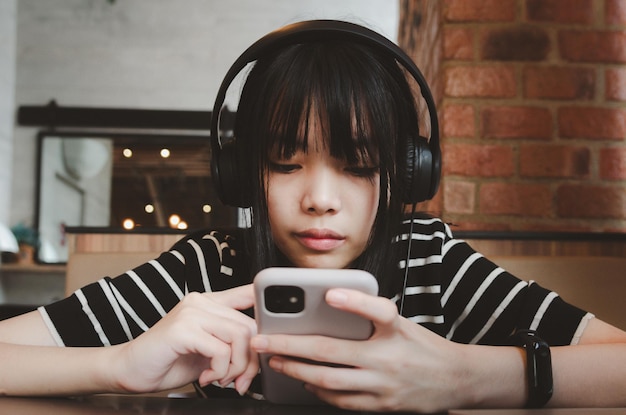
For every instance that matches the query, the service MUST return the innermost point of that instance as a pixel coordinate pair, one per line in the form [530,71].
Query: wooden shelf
[33,268]
[120,242]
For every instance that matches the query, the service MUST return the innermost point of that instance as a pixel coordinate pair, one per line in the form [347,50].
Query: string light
[174,220]
[128,224]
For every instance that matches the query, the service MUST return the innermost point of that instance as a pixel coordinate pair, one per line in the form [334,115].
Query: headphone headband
[320,30]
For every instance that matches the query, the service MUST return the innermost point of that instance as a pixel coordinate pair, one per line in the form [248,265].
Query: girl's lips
[320,239]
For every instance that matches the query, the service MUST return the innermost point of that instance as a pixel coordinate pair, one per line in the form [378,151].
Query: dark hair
[338,83]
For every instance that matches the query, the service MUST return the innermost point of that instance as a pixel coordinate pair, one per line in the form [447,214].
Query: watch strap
[538,367]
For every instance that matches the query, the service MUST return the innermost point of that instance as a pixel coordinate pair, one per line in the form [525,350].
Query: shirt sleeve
[485,304]
[116,310]
[461,295]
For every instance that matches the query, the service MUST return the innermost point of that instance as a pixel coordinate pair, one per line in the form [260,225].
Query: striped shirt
[449,288]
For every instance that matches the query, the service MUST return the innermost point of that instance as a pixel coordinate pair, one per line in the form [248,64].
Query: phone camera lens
[284,299]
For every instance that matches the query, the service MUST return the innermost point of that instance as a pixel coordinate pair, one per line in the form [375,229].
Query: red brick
[554,161]
[534,200]
[478,160]
[516,122]
[615,12]
[592,123]
[615,80]
[560,11]
[613,163]
[458,43]
[559,82]
[596,46]
[482,81]
[479,10]
[458,121]
[459,196]
[589,201]
[515,43]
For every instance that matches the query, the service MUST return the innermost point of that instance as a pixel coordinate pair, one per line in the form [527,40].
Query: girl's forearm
[589,376]
[50,370]
[495,377]
[584,376]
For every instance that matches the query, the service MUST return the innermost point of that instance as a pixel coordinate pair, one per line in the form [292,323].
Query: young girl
[320,155]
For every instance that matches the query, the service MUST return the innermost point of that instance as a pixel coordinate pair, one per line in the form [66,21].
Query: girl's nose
[321,194]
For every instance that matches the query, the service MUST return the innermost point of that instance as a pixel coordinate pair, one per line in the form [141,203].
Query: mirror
[129,182]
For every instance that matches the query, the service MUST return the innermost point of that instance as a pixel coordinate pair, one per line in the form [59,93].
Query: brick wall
[533,113]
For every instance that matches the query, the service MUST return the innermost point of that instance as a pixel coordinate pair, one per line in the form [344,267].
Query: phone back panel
[317,318]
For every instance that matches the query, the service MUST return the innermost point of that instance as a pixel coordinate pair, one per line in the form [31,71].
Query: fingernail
[337,297]
[242,388]
[224,383]
[259,343]
[276,363]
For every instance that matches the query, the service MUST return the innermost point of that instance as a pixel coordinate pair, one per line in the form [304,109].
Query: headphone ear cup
[230,178]
[419,171]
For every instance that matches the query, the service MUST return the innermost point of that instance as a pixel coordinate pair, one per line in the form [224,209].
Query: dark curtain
[419,34]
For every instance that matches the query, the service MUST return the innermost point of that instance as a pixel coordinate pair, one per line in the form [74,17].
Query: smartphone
[291,301]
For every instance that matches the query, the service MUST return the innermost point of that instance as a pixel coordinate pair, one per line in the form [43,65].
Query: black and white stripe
[451,289]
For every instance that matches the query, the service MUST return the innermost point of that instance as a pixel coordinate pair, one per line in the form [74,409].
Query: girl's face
[321,209]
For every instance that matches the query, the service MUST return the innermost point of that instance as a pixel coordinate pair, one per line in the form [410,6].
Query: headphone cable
[408,256]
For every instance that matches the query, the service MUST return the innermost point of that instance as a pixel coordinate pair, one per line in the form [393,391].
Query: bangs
[345,134]
[325,97]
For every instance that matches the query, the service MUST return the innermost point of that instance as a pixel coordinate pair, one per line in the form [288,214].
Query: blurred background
[105,105]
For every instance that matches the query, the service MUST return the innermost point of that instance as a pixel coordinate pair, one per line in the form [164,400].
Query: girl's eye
[283,168]
[367,172]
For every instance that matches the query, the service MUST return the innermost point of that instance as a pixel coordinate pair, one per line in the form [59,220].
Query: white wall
[158,54]
[8,12]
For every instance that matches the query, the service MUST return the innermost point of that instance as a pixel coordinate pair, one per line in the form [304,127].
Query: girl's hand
[203,338]
[403,366]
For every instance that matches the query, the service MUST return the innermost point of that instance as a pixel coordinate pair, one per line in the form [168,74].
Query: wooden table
[125,405]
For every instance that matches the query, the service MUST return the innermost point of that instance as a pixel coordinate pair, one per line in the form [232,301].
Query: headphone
[423,169]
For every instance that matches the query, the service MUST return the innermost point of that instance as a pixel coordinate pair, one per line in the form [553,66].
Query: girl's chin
[317,262]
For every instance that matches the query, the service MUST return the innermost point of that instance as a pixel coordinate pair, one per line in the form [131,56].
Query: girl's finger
[242,382]
[381,311]
[327,377]
[218,304]
[316,348]
[238,298]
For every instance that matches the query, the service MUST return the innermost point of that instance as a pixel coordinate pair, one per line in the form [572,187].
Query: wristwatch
[538,367]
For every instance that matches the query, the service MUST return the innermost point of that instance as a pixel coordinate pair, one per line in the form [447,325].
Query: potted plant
[28,241]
